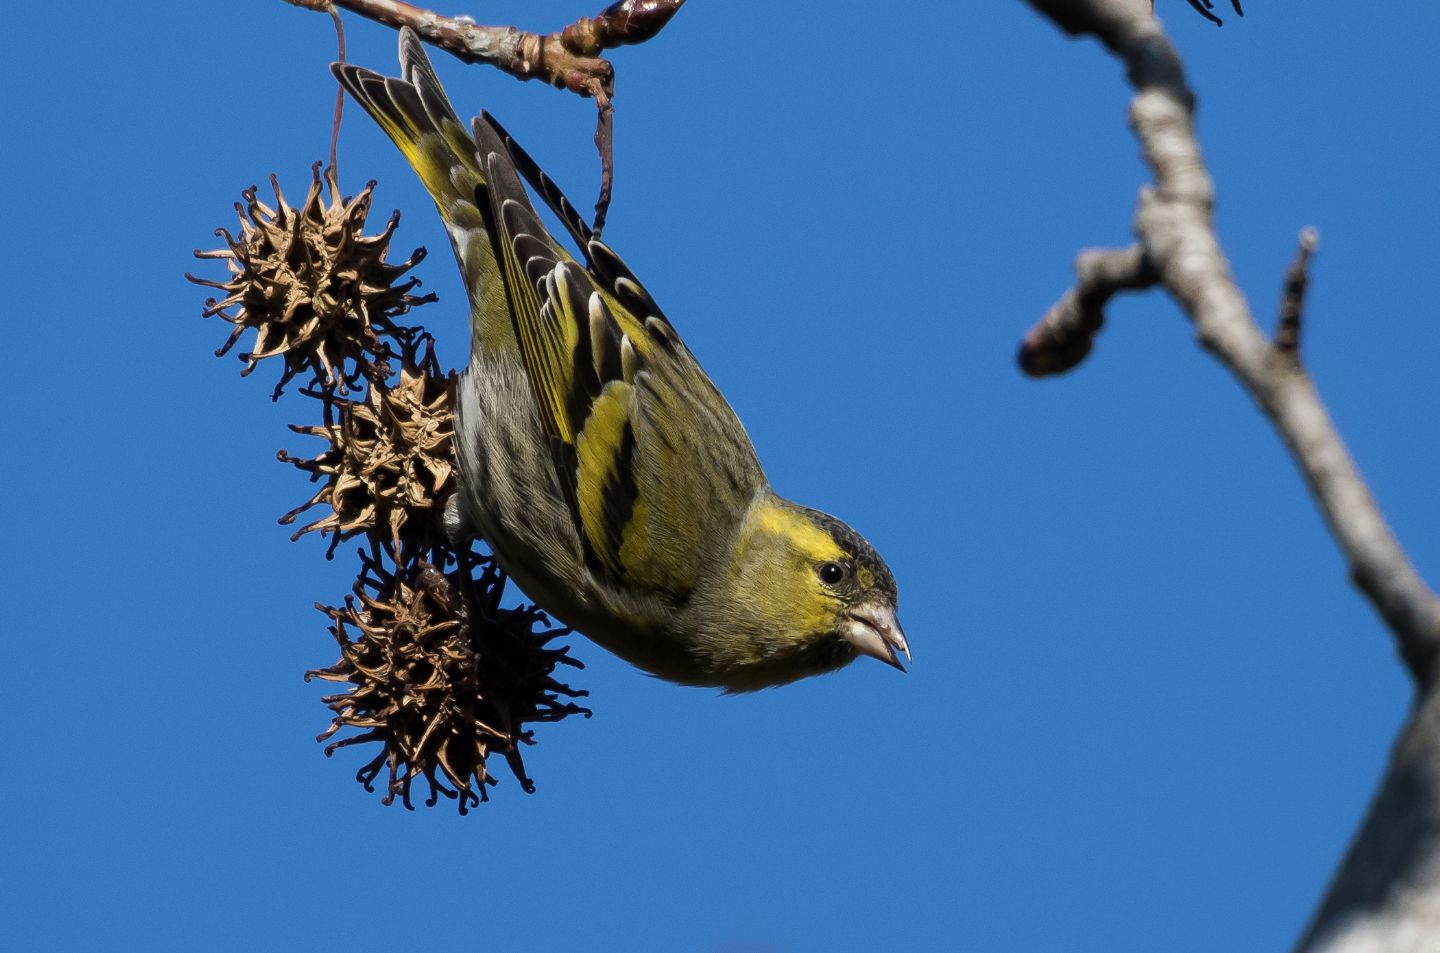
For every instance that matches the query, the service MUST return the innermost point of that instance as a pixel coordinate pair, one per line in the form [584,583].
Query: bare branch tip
[1048,351]
[1292,298]
[1064,337]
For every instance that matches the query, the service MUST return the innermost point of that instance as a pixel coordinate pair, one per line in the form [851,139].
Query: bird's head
[815,591]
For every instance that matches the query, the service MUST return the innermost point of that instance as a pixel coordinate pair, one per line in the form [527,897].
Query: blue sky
[1146,709]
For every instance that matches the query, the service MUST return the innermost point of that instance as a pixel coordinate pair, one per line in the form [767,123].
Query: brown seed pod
[442,677]
[438,673]
[390,463]
[314,287]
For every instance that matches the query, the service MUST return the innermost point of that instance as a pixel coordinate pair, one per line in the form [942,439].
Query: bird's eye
[830,573]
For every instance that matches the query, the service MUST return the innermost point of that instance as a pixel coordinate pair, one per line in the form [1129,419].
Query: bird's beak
[874,630]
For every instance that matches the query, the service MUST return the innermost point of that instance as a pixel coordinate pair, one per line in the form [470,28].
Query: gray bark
[1385,897]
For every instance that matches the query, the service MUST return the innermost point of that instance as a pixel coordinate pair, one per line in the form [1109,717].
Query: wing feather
[652,459]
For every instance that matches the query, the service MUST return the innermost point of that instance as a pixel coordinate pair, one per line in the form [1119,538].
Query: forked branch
[1386,894]
[1179,250]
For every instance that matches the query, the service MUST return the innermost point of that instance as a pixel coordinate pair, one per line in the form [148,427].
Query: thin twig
[569,59]
[605,145]
[1292,298]
[339,92]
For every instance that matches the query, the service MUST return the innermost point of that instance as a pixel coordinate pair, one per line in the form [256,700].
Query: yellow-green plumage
[598,461]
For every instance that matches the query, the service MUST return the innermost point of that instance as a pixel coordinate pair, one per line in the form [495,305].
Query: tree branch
[1386,895]
[1063,337]
[1292,299]
[569,59]
[1178,241]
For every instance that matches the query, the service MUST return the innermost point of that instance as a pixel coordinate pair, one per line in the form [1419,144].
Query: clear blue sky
[1146,710]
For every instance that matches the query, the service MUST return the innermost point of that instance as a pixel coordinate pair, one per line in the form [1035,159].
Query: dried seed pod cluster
[440,675]
[442,678]
[316,290]
[390,461]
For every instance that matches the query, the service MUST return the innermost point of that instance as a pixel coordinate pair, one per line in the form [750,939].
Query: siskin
[605,470]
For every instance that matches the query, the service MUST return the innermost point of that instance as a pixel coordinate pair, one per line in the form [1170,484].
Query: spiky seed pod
[442,678]
[314,287]
[390,463]
[440,675]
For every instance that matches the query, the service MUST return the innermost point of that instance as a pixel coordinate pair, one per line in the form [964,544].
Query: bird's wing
[658,465]
[415,113]
[653,463]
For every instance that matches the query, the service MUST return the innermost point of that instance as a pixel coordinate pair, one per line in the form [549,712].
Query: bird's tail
[416,114]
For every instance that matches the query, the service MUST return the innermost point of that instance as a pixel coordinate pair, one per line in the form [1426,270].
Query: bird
[604,470]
